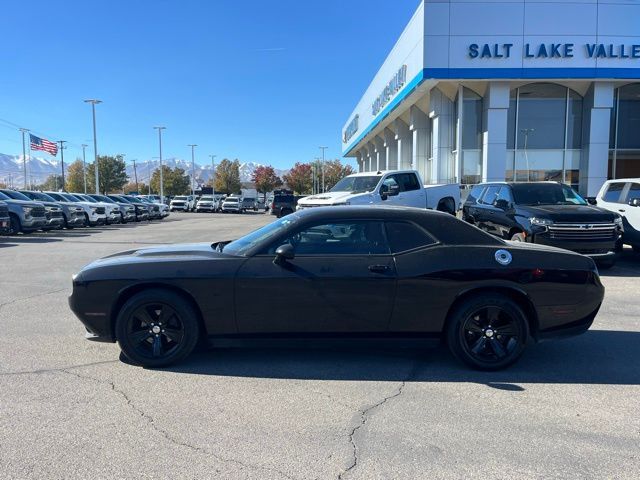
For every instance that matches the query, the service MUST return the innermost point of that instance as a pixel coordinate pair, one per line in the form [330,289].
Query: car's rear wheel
[487,332]
[156,328]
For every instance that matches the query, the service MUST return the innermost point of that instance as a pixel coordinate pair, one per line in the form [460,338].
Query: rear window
[405,236]
[283,198]
[614,190]
[634,192]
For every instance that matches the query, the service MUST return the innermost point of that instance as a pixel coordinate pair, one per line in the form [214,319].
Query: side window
[613,192]
[356,237]
[408,182]
[407,236]
[490,195]
[634,192]
[475,194]
[504,194]
[392,181]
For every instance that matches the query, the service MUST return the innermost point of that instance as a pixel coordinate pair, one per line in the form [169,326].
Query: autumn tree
[75,177]
[334,171]
[141,187]
[112,173]
[265,179]
[52,183]
[228,177]
[175,181]
[299,178]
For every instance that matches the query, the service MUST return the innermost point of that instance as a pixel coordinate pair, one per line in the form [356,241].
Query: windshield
[231,200]
[356,184]
[119,199]
[180,198]
[39,196]
[546,194]
[70,197]
[102,198]
[133,199]
[16,195]
[242,245]
[86,198]
[4,197]
[206,198]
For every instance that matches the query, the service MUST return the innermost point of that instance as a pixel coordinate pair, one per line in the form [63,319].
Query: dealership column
[494,132]
[381,154]
[419,126]
[360,160]
[392,149]
[403,139]
[594,159]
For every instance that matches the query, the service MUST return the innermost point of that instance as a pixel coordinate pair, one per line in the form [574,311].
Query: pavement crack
[57,370]
[22,299]
[364,417]
[167,435]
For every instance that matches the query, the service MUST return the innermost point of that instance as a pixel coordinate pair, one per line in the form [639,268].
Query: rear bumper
[570,329]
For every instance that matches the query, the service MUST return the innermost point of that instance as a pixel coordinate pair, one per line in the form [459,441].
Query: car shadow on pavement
[628,265]
[24,239]
[597,357]
[7,244]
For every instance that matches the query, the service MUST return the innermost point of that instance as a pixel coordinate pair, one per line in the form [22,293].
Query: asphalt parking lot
[70,408]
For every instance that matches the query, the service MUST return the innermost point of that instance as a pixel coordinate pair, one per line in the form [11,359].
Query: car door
[631,214]
[342,279]
[612,198]
[502,216]
[411,193]
[486,210]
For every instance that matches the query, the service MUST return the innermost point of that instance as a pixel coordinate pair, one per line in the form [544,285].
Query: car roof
[623,180]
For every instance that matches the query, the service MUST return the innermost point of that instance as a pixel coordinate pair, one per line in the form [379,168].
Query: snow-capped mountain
[38,169]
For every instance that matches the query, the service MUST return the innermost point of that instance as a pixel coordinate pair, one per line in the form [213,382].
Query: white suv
[232,204]
[622,196]
[186,203]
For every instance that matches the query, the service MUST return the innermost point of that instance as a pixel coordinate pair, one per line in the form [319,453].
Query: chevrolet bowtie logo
[586,227]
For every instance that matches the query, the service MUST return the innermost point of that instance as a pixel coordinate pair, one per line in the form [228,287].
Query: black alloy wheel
[156,328]
[488,332]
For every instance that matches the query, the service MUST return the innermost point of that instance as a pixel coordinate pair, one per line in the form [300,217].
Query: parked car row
[25,211]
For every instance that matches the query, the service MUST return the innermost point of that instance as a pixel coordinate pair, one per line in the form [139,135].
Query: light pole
[323,149]
[161,174]
[135,174]
[193,167]
[213,182]
[526,132]
[24,156]
[94,102]
[84,165]
[62,142]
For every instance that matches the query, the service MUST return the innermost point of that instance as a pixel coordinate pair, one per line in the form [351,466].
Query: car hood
[327,198]
[23,203]
[569,213]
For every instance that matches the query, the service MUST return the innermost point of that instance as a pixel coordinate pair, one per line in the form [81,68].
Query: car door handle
[378,268]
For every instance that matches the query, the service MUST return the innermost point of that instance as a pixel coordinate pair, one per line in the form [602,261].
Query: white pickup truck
[391,187]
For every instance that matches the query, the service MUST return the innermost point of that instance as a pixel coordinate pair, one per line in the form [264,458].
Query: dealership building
[516,90]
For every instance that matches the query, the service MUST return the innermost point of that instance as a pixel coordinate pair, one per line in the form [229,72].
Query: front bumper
[205,208]
[97,219]
[184,208]
[600,249]
[32,224]
[113,217]
[54,223]
[76,221]
[97,324]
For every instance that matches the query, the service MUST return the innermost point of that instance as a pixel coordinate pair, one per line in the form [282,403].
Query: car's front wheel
[156,328]
[487,332]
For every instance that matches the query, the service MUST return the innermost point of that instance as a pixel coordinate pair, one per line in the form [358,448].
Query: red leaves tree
[299,178]
[265,179]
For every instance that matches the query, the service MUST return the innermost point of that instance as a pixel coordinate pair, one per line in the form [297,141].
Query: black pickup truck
[547,213]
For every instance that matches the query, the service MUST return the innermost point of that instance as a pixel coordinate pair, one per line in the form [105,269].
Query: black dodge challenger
[347,271]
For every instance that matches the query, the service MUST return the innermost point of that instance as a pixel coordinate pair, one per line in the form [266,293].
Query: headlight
[94,209]
[618,221]
[27,211]
[544,222]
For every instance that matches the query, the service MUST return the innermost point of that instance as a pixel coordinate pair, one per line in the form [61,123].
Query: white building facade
[516,90]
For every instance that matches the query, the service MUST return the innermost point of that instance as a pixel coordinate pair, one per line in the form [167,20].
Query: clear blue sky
[263,81]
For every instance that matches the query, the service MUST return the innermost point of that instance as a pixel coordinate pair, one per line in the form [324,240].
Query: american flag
[38,143]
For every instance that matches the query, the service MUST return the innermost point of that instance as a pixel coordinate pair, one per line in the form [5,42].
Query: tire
[141,336]
[14,225]
[518,237]
[473,343]
[447,205]
[87,222]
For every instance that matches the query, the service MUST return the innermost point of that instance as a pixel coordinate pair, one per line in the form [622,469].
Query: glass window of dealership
[489,91]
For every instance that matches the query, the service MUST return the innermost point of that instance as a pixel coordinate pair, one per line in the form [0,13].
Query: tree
[112,174]
[334,171]
[299,178]
[52,183]
[75,178]
[141,188]
[228,177]
[265,179]
[176,181]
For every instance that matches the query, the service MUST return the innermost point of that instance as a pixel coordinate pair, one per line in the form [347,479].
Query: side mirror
[384,192]
[503,204]
[634,202]
[591,200]
[283,253]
